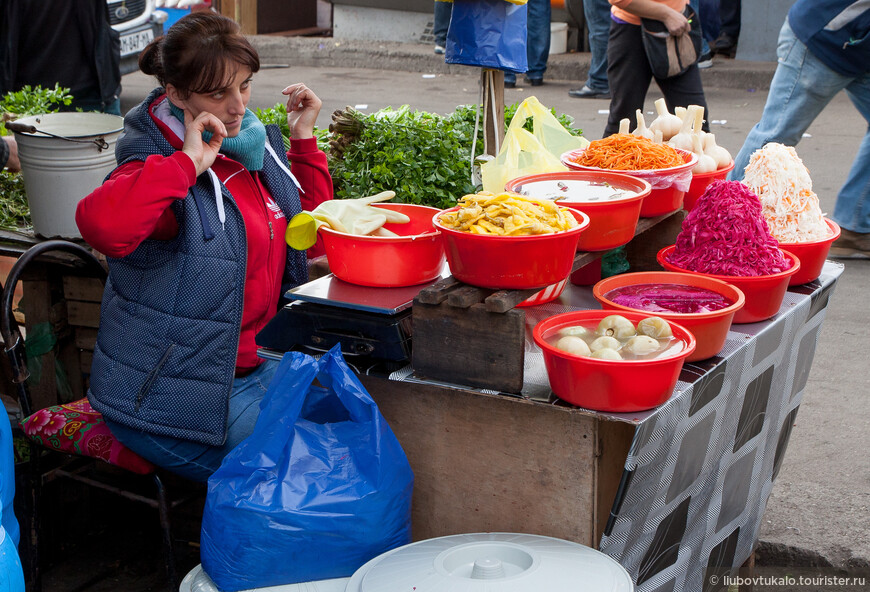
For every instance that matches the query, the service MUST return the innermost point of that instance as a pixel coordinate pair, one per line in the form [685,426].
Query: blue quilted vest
[171,314]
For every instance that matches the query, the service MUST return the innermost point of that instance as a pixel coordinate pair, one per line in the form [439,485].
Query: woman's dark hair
[197,53]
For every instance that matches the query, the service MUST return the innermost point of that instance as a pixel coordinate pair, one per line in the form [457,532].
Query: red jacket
[133,205]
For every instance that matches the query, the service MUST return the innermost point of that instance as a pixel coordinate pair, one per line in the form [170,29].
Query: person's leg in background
[801,87]
[710,19]
[705,60]
[597,16]
[729,30]
[852,209]
[684,90]
[628,73]
[441,17]
[538,40]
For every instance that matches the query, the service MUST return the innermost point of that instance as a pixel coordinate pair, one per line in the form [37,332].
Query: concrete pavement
[818,511]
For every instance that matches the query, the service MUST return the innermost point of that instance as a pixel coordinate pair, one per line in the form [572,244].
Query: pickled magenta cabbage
[670,298]
[725,234]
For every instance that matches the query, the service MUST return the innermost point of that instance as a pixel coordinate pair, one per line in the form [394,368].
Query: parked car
[138,22]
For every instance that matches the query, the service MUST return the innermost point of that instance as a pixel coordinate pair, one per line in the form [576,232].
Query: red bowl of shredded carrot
[668,170]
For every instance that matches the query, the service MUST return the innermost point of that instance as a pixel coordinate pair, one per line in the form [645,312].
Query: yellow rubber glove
[351,216]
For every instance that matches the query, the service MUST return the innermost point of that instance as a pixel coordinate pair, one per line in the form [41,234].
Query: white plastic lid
[492,562]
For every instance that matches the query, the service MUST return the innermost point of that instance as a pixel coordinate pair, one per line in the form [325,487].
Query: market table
[668,493]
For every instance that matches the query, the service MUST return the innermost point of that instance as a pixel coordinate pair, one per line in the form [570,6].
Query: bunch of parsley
[424,157]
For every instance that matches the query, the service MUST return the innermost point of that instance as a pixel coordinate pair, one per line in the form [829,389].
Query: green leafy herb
[33,101]
[14,211]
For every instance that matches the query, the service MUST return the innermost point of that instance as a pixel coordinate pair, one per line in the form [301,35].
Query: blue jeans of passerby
[696,6]
[441,18]
[801,87]
[198,461]
[537,40]
[597,15]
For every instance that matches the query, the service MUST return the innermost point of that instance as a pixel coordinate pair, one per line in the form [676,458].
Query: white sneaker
[439,50]
[705,61]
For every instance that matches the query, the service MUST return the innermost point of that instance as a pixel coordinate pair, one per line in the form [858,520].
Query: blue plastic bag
[489,34]
[320,487]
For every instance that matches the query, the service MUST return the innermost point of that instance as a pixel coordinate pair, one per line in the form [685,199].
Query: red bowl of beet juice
[703,305]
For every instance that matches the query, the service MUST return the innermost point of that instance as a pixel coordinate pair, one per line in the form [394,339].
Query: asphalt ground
[818,512]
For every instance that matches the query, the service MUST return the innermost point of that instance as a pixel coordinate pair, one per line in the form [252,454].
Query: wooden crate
[487,463]
[83,296]
[475,337]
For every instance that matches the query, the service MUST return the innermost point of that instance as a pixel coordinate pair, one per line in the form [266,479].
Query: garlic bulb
[706,164]
[623,125]
[683,140]
[668,123]
[719,154]
[641,129]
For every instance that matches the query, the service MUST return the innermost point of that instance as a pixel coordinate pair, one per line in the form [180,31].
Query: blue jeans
[442,13]
[597,15]
[801,87]
[696,6]
[197,461]
[537,40]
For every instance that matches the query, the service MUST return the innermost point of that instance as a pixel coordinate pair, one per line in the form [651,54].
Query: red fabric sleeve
[308,164]
[133,204]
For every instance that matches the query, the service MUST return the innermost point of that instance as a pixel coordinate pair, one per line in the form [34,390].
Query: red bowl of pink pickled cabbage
[763,293]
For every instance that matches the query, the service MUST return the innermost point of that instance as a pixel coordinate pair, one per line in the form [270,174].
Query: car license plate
[135,42]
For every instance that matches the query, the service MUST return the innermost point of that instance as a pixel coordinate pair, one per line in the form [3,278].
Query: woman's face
[227,104]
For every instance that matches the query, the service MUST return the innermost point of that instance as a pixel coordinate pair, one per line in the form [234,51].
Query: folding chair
[76,433]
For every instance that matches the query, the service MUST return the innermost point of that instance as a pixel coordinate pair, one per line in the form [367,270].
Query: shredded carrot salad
[625,152]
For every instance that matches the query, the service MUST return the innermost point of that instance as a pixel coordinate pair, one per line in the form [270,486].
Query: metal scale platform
[372,324]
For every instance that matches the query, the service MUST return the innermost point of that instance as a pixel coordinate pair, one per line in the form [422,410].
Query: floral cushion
[76,428]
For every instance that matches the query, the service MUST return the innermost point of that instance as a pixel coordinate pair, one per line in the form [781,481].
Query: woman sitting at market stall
[192,223]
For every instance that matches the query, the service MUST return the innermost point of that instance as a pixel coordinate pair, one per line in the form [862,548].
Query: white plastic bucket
[558,38]
[59,171]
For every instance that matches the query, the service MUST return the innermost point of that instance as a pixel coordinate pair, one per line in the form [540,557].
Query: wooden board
[476,337]
[493,463]
[469,346]
[83,288]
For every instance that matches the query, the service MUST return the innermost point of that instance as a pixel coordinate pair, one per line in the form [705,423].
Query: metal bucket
[64,157]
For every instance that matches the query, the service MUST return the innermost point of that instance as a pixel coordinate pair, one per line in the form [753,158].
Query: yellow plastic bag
[524,153]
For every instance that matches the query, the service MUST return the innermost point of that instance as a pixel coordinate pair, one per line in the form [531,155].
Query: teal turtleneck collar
[248,147]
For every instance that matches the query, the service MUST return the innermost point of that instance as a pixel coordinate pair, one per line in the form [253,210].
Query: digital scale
[371,324]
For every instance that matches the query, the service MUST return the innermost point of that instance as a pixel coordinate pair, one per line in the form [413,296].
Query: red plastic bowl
[621,386]
[664,196]
[511,262]
[611,223]
[764,293]
[700,182]
[812,255]
[415,257]
[709,328]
